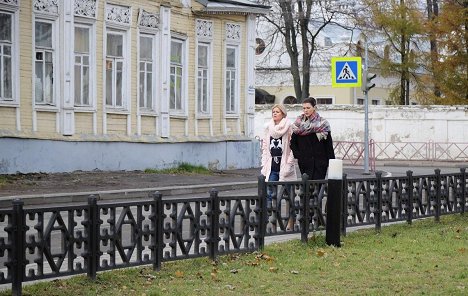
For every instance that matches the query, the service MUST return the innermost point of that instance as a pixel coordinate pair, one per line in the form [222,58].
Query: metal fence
[51,242]
[353,152]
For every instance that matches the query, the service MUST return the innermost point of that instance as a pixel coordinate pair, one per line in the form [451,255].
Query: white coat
[288,163]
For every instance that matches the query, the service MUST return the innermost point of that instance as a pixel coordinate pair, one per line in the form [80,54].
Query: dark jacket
[312,155]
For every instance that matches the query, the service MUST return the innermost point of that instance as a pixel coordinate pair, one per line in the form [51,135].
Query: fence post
[93,224]
[334,201]
[158,222]
[463,191]
[378,211]
[263,211]
[344,206]
[409,216]
[214,233]
[18,264]
[437,210]
[305,208]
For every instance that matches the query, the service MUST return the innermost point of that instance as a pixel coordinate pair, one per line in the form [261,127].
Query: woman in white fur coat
[278,163]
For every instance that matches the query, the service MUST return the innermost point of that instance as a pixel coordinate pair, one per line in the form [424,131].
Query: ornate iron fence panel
[124,234]
[239,223]
[186,228]
[41,243]
[55,242]
[7,245]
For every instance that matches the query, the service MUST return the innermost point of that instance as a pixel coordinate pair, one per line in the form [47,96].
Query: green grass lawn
[425,258]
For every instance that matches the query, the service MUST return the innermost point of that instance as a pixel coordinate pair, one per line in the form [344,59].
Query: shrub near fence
[51,242]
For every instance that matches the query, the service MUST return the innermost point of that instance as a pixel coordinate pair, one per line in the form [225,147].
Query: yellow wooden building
[119,85]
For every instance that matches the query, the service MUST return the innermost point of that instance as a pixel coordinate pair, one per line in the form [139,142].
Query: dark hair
[310,100]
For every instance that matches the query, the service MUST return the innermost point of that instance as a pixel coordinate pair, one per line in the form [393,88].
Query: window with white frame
[232,79]
[6,56]
[146,78]
[324,101]
[83,65]
[115,69]
[44,62]
[176,95]
[203,78]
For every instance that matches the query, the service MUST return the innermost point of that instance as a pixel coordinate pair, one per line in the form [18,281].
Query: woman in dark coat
[311,142]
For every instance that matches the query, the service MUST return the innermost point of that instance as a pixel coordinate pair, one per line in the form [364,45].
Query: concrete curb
[72,197]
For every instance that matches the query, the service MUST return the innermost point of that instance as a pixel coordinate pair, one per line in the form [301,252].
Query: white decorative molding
[233,32]
[186,3]
[46,6]
[148,20]
[10,2]
[85,8]
[204,29]
[116,14]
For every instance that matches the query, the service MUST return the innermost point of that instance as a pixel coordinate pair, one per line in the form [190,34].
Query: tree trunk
[432,13]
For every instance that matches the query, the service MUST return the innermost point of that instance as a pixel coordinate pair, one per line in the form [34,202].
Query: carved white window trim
[148,21]
[233,32]
[85,8]
[12,3]
[15,60]
[204,29]
[118,16]
[46,7]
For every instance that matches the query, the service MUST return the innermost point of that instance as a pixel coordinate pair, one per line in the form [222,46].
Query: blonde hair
[281,108]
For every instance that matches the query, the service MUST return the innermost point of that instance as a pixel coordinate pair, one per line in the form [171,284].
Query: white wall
[446,124]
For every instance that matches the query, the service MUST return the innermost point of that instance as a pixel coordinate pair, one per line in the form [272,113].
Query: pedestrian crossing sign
[346,72]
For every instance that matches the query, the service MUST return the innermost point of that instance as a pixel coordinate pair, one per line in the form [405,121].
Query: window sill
[116,111]
[84,109]
[204,116]
[147,112]
[231,116]
[13,104]
[46,108]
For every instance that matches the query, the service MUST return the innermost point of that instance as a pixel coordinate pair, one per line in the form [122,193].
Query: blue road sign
[346,72]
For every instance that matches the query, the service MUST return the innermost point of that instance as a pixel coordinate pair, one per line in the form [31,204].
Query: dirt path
[42,183]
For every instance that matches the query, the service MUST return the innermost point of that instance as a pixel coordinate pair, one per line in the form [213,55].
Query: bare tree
[292,29]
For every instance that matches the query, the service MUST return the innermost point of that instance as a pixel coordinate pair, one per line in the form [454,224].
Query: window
[375,102]
[82,70]
[44,63]
[146,72]
[115,70]
[203,78]
[231,79]
[360,101]
[176,75]
[324,101]
[6,71]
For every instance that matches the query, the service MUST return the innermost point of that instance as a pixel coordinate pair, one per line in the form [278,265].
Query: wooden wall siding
[148,125]
[232,127]
[183,23]
[8,116]
[84,123]
[46,122]
[203,127]
[116,124]
[177,127]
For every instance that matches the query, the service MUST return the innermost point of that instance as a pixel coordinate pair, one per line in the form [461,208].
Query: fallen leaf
[234,271]
[179,274]
[230,287]
[462,250]
[214,276]
[321,252]
[294,272]
[273,269]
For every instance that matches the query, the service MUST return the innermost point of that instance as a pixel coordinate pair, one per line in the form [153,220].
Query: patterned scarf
[278,130]
[307,125]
